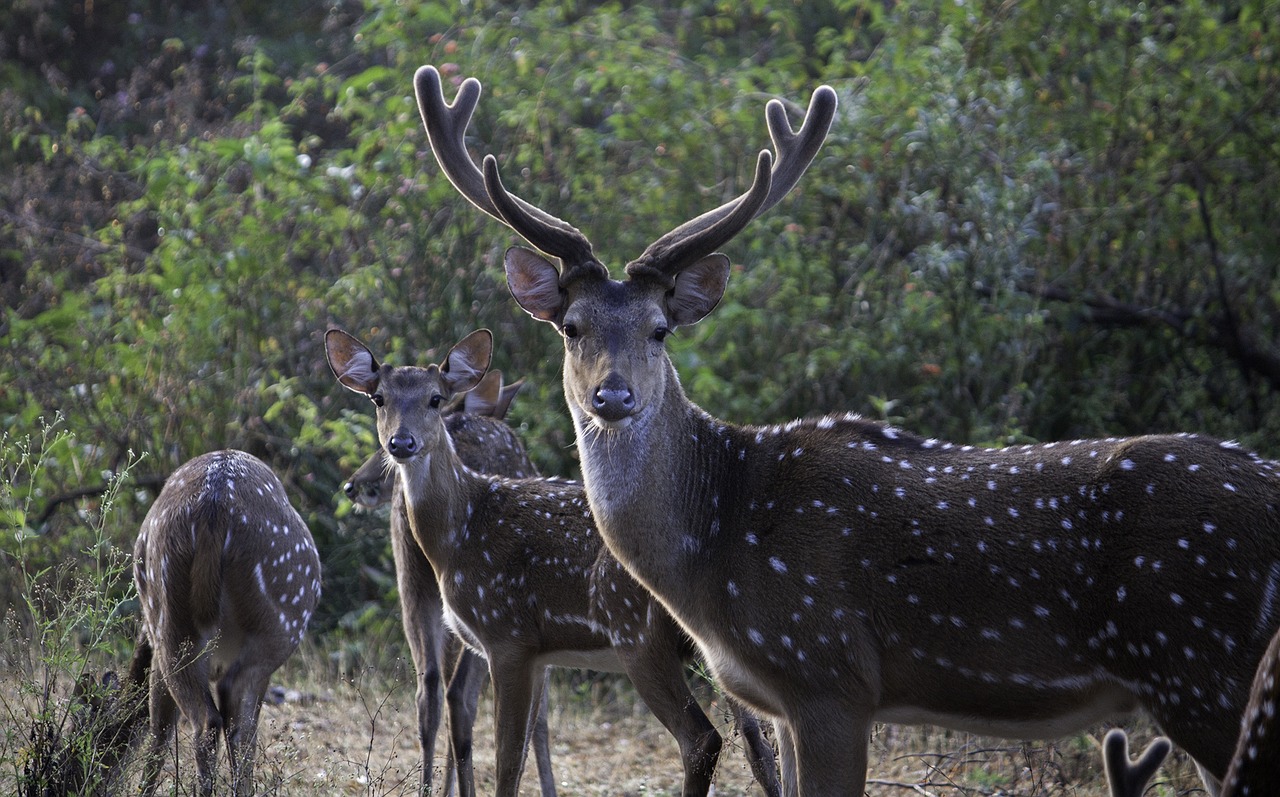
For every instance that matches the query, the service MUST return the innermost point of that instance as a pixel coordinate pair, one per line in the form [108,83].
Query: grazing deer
[484,443]
[524,577]
[836,572]
[228,576]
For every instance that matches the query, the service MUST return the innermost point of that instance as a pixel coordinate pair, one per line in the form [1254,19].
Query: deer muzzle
[613,400]
[403,446]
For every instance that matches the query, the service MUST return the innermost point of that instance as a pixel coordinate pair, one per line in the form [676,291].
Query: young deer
[228,576]
[484,443]
[836,572]
[524,577]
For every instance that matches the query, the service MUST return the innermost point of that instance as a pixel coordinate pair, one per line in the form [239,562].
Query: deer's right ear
[535,283]
[351,362]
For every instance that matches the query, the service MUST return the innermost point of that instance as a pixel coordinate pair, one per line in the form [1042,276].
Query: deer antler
[446,130]
[1126,778]
[701,236]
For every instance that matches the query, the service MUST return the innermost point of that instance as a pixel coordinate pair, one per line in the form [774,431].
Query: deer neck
[437,495]
[656,517]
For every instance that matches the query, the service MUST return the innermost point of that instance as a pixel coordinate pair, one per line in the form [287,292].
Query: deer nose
[402,446]
[349,488]
[613,399]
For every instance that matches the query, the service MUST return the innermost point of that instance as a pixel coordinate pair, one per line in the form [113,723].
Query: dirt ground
[359,737]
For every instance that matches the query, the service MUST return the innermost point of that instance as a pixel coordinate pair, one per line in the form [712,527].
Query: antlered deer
[228,576]
[524,577]
[484,443]
[836,572]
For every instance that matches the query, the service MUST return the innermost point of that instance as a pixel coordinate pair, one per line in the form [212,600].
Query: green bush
[1027,223]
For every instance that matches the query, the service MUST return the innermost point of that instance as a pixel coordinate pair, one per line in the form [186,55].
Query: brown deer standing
[484,443]
[836,572]
[522,572]
[228,576]
[1255,767]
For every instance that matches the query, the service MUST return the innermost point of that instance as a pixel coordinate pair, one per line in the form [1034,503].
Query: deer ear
[351,362]
[485,396]
[466,363]
[535,283]
[504,400]
[698,290]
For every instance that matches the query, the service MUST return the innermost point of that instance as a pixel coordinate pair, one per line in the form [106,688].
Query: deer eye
[569,330]
[436,400]
[660,334]
[376,398]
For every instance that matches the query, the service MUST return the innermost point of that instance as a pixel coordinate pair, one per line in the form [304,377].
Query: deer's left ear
[351,362]
[466,363]
[698,290]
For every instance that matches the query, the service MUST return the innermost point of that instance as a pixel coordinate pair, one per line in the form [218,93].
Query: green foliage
[1028,223]
[68,607]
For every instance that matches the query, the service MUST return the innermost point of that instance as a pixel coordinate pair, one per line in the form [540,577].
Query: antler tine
[561,240]
[1126,778]
[446,127]
[796,149]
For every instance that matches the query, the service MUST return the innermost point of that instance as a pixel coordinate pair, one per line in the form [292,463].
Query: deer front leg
[787,756]
[517,684]
[657,672]
[421,614]
[463,693]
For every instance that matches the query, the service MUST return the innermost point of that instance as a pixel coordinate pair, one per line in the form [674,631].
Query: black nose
[613,400]
[402,446]
[350,489]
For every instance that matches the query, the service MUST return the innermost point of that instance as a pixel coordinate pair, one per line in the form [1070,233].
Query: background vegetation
[1031,221]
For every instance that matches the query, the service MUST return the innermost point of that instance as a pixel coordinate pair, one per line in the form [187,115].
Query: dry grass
[358,736]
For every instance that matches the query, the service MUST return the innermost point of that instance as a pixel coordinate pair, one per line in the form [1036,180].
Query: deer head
[372,484]
[616,369]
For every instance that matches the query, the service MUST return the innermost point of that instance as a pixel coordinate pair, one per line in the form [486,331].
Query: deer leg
[542,746]
[206,738]
[164,715]
[831,751]
[421,614]
[187,680]
[787,754]
[240,694]
[462,696]
[760,753]
[1211,784]
[657,671]
[516,687]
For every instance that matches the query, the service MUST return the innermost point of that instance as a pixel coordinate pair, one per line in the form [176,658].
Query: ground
[359,737]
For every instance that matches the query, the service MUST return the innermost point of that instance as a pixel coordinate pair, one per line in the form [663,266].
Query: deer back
[223,554]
